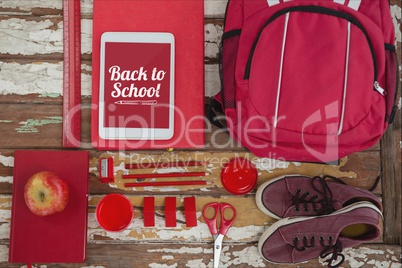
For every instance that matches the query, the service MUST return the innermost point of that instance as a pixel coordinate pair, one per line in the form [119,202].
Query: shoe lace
[326,201]
[333,249]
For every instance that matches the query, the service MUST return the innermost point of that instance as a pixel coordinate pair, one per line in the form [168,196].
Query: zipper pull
[379,88]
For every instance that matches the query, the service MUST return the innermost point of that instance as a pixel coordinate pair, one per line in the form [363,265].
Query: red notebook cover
[57,238]
[185,21]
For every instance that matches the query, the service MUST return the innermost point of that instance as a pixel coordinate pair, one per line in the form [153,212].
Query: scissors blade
[217,250]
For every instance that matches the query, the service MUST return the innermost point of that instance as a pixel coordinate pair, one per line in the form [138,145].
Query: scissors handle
[212,222]
[226,223]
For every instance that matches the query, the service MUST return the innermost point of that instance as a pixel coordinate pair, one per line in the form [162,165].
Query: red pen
[164,183]
[163,175]
[164,165]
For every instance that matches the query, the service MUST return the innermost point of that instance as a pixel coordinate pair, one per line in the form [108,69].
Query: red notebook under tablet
[57,238]
[148,74]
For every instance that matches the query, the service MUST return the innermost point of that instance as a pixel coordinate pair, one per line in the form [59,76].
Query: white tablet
[136,98]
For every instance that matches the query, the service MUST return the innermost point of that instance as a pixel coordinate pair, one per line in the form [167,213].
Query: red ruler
[71,73]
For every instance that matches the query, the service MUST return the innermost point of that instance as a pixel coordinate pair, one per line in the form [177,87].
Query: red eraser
[190,211]
[170,211]
[149,211]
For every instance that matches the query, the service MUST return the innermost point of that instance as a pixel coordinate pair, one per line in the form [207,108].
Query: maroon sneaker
[298,239]
[298,195]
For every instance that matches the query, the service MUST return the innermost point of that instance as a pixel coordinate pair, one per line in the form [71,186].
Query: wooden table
[30,117]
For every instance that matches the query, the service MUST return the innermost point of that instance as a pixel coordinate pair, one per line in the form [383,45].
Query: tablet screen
[136,85]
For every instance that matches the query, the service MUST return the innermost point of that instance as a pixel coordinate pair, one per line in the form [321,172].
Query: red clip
[170,211]
[149,211]
[106,170]
[190,211]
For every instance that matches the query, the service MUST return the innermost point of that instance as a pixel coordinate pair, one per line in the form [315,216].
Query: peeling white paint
[3,253]
[244,233]
[7,161]
[29,37]
[249,255]
[215,8]
[44,78]
[93,169]
[213,33]
[157,265]
[360,257]
[167,257]
[29,5]
[5,216]
[268,164]
[396,12]
[6,179]
[182,250]
[199,263]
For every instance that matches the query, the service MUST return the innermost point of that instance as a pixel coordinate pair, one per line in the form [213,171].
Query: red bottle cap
[239,176]
[114,212]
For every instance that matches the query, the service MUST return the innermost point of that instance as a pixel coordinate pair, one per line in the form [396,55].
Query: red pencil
[163,175]
[164,183]
[164,165]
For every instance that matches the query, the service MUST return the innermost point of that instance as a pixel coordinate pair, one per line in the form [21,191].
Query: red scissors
[213,226]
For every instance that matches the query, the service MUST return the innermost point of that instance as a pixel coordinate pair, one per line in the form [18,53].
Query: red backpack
[308,80]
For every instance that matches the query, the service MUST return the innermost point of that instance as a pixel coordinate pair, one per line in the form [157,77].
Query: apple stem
[42,196]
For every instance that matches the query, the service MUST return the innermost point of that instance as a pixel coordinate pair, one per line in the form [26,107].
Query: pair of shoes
[316,218]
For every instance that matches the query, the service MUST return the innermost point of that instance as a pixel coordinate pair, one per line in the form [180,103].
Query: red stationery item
[239,176]
[106,170]
[114,212]
[58,238]
[170,211]
[145,16]
[190,211]
[71,73]
[164,165]
[164,175]
[149,211]
[164,183]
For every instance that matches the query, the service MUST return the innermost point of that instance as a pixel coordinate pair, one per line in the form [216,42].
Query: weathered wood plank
[391,151]
[201,255]
[42,35]
[350,170]
[248,227]
[31,125]
[41,38]
[212,9]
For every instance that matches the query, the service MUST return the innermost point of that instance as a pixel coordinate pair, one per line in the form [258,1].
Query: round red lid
[239,176]
[114,212]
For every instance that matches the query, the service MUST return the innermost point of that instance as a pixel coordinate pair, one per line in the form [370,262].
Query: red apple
[46,193]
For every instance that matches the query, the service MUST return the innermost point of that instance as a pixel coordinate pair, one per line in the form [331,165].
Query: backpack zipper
[321,10]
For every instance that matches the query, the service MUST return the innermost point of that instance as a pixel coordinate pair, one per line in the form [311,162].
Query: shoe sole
[260,191]
[286,221]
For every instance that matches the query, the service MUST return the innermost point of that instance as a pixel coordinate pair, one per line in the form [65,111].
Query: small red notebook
[58,238]
[185,21]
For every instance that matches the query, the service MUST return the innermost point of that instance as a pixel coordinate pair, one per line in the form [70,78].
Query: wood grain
[201,255]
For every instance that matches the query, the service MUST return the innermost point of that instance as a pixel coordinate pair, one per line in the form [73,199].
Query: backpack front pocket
[309,65]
